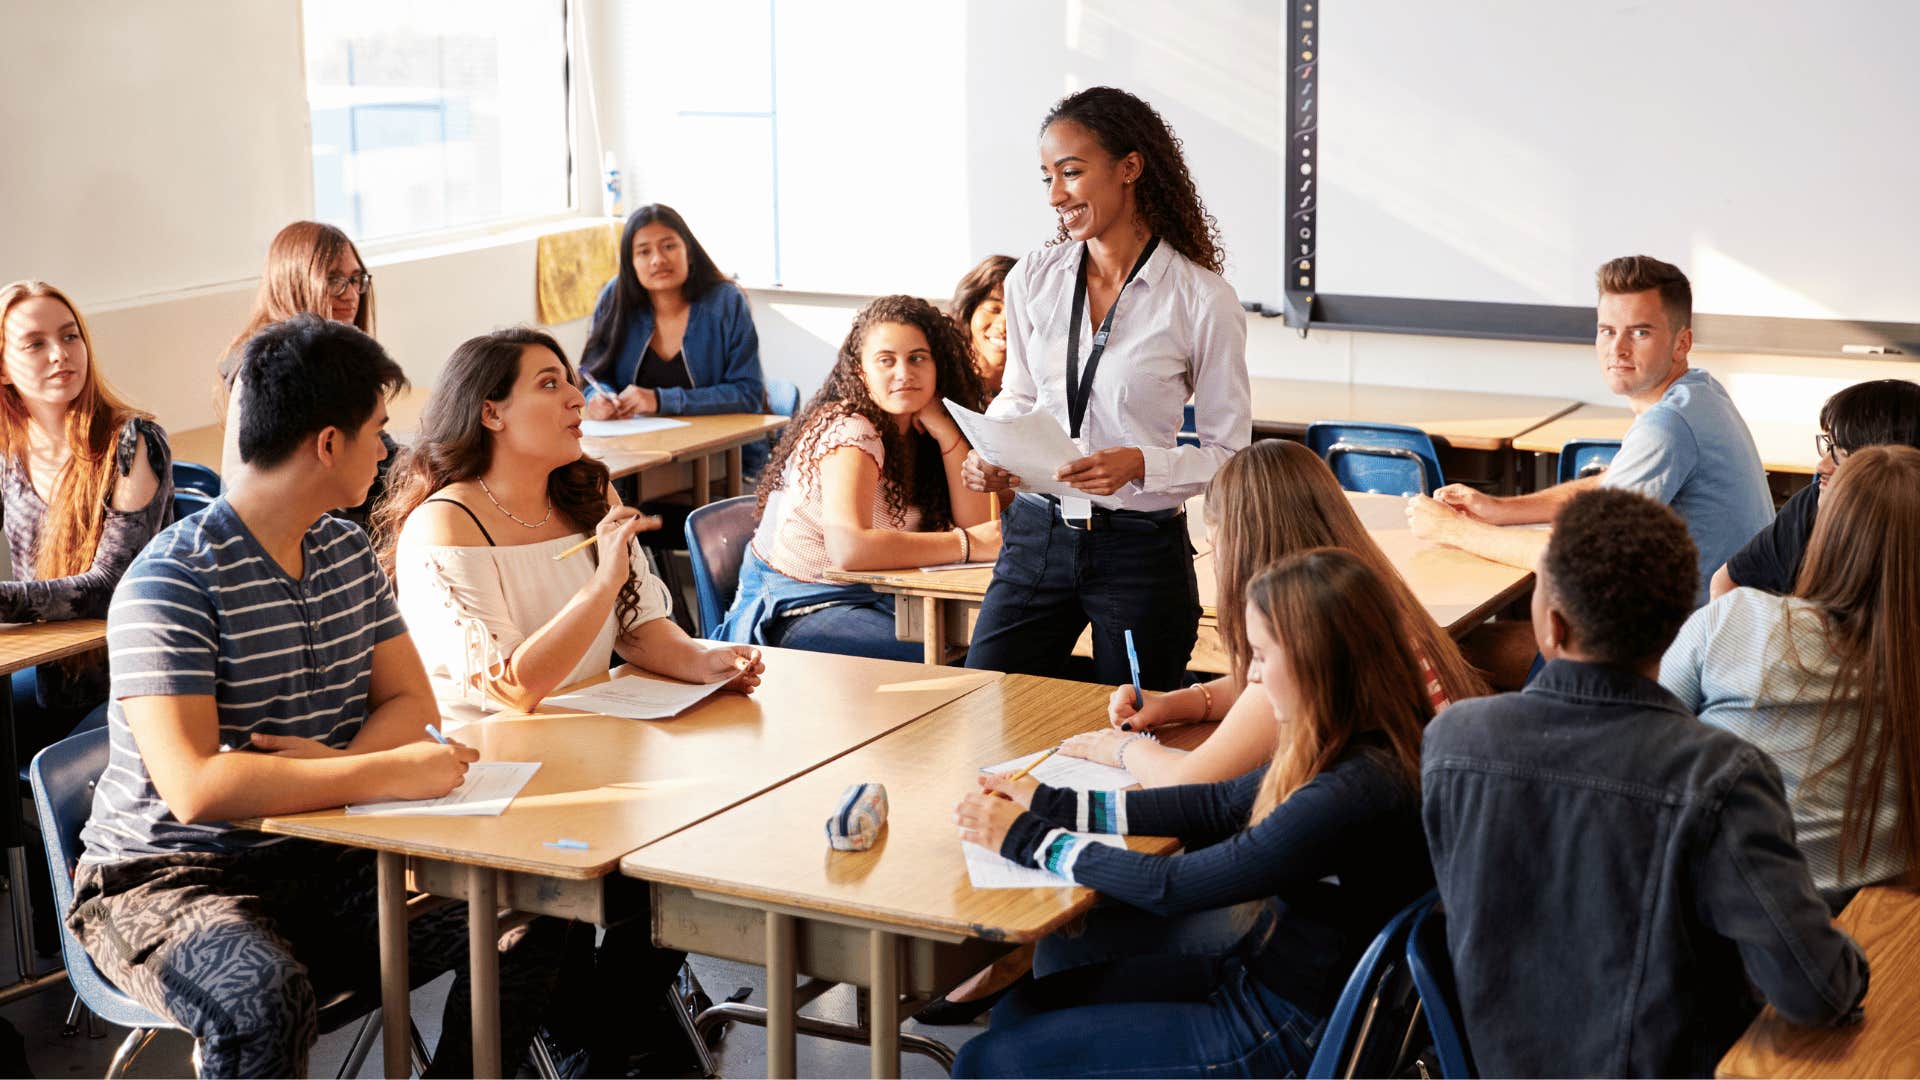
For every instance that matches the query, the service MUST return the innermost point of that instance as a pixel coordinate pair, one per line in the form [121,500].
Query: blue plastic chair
[1584,457]
[1432,972]
[190,477]
[188,502]
[1377,993]
[717,536]
[63,776]
[1189,434]
[783,397]
[1381,458]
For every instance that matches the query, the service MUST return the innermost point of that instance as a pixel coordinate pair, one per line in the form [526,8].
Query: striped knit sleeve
[162,635]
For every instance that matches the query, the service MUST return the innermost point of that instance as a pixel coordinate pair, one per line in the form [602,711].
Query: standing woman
[1110,334]
[980,307]
[671,335]
[312,269]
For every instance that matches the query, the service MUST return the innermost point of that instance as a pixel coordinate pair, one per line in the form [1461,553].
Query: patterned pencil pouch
[857,821]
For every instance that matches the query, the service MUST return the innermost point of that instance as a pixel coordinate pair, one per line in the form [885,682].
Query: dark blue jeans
[847,629]
[1146,1016]
[1052,581]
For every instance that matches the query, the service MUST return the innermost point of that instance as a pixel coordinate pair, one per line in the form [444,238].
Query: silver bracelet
[1120,755]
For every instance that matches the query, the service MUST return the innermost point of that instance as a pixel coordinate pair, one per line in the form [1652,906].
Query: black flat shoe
[943,1013]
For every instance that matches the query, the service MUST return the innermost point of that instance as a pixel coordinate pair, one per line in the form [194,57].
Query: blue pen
[565,844]
[1133,665]
[598,386]
[437,737]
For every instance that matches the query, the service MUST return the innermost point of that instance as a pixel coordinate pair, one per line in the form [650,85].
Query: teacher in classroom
[1111,327]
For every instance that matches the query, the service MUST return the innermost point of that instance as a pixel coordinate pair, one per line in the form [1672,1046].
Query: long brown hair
[1277,497]
[1338,628]
[912,475]
[1862,573]
[74,518]
[606,339]
[454,445]
[294,283]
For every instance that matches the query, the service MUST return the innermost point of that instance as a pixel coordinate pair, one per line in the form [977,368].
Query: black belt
[1099,517]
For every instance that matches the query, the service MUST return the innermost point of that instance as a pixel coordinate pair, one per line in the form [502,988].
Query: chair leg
[543,1063]
[72,1027]
[682,1008]
[130,1048]
[421,1059]
[362,1046]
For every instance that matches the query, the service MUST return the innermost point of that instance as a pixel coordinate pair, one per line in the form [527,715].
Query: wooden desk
[1885,920]
[22,647]
[758,883]
[1784,447]
[1465,419]
[615,784]
[1460,590]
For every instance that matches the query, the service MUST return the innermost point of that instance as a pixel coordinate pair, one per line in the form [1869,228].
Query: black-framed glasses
[1825,447]
[360,280]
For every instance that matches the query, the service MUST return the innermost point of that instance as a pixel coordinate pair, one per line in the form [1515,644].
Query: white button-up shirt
[1178,332]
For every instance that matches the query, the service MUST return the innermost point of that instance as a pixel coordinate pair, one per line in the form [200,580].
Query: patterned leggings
[237,949]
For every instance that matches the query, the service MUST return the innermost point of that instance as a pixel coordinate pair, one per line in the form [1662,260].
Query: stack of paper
[637,698]
[987,870]
[1062,771]
[633,425]
[488,788]
[1031,446]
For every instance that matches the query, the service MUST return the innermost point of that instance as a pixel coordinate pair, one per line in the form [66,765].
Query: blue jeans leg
[1115,931]
[863,630]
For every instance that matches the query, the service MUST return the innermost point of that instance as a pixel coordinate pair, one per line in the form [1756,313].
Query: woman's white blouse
[1178,332]
[468,608]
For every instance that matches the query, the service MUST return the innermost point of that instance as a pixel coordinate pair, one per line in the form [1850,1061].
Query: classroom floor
[742,1053]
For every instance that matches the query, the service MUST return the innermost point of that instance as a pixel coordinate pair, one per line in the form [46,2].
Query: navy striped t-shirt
[205,610]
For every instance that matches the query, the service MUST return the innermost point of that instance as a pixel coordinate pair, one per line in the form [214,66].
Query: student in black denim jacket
[1621,882]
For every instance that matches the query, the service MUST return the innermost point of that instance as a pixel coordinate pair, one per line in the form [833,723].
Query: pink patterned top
[791,537]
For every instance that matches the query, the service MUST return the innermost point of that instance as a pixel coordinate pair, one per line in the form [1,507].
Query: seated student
[312,269]
[493,490]
[671,336]
[263,627]
[1688,446]
[867,477]
[980,307]
[1812,677]
[1325,838]
[85,482]
[1268,501]
[1884,411]
[1621,884]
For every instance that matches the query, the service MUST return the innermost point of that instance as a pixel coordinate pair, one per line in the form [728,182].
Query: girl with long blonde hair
[1324,837]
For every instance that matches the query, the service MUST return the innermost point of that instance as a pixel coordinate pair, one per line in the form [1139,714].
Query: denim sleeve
[741,386]
[1656,456]
[1754,889]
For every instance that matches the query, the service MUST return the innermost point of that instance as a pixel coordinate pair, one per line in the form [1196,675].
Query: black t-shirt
[657,374]
[1771,560]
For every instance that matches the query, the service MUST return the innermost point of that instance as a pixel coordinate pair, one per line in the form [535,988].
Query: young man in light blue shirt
[1688,446]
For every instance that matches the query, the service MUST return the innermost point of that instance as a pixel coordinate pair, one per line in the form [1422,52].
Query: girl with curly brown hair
[1137,299]
[867,477]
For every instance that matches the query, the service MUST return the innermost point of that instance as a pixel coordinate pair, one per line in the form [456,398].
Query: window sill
[405,249]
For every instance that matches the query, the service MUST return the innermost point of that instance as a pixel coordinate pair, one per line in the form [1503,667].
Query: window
[437,114]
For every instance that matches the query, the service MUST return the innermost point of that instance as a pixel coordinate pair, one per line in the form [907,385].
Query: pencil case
[859,817]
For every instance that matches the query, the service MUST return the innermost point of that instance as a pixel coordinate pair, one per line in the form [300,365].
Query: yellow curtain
[571,268]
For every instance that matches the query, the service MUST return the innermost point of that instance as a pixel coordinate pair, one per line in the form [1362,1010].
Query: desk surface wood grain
[617,784]
[28,644]
[1464,418]
[1885,920]
[773,849]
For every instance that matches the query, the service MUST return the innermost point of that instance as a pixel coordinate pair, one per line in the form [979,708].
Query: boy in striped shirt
[259,668]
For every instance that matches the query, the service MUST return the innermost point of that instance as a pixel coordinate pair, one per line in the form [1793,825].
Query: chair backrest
[717,536]
[1371,1018]
[783,397]
[1584,457]
[1432,972]
[62,777]
[188,502]
[1387,459]
[188,476]
[1189,434]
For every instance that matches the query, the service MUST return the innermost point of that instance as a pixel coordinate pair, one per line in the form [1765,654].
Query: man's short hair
[1882,412]
[304,375]
[1624,572]
[1638,273]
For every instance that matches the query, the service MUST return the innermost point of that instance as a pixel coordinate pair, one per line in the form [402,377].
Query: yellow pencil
[1022,774]
[587,543]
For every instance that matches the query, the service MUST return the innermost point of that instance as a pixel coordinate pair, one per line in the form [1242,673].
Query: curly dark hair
[913,475]
[1164,195]
[1625,571]
[453,445]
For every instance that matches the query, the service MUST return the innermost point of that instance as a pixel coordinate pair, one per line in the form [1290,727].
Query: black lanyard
[1080,387]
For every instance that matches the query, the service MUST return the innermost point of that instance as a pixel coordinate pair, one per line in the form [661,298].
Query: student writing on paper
[1317,849]
[1268,501]
[867,477]
[1110,329]
[493,490]
[979,305]
[1621,884]
[263,626]
[313,269]
[671,336]
[1824,679]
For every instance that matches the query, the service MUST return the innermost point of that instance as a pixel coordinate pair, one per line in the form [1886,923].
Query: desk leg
[734,474]
[933,630]
[395,1022]
[780,1008]
[483,961]
[702,479]
[883,957]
